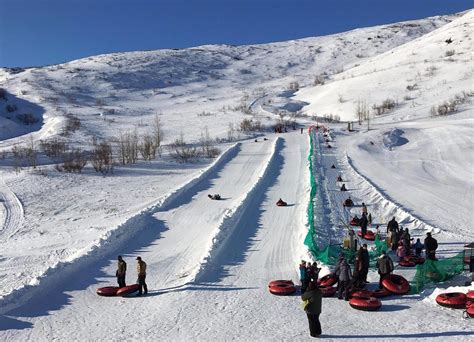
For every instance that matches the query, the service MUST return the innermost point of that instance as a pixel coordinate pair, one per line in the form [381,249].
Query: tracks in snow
[11,213]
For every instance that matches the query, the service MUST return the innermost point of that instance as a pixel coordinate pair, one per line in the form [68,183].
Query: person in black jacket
[363,224]
[430,246]
[313,308]
[392,228]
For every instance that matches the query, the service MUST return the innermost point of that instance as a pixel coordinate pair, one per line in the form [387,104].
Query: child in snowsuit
[401,253]
[418,247]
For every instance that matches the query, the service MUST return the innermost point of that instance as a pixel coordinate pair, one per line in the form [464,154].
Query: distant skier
[141,270]
[121,270]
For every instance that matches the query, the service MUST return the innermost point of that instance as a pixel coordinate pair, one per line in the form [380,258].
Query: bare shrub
[11,108]
[74,161]
[207,145]
[412,87]
[102,157]
[294,86]
[128,147]
[450,53]
[24,156]
[362,111]
[231,132]
[27,118]
[319,80]
[431,70]
[147,147]
[386,106]
[248,125]
[53,148]
[72,124]
[181,151]
[158,133]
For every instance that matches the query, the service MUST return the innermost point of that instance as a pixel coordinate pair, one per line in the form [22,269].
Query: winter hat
[139,258]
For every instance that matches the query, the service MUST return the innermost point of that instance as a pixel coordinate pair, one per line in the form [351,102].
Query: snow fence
[329,254]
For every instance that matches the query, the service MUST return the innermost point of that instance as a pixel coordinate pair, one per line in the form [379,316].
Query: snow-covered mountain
[210,261]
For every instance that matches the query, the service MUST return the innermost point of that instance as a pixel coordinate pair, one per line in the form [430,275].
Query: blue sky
[39,32]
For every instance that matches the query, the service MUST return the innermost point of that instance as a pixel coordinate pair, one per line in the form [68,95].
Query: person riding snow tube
[339,178]
[343,187]
[281,203]
[214,197]
[348,202]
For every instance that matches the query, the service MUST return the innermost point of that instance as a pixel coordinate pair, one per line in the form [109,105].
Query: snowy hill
[209,262]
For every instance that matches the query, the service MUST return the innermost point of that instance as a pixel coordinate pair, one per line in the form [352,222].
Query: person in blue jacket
[303,276]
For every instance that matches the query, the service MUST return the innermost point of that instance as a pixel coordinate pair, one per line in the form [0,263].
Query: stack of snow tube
[281,287]
[108,291]
[453,300]
[396,284]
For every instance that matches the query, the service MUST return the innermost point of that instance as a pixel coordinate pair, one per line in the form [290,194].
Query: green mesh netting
[330,253]
[436,271]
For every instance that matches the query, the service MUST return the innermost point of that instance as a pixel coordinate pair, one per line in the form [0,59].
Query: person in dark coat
[121,270]
[357,282]
[345,277]
[406,240]
[363,224]
[384,267]
[313,308]
[365,262]
[431,245]
[392,228]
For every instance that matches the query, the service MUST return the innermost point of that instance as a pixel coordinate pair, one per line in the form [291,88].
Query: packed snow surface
[209,261]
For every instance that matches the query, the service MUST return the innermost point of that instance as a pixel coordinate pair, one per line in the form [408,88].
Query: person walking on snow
[121,270]
[384,267]
[345,276]
[364,209]
[141,270]
[313,299]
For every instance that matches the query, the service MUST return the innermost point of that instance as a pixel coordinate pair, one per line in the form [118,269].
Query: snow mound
[394,138]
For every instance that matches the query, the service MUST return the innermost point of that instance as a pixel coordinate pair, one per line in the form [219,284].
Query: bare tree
[181,151]
[158,133]
[102,157]
[148,147]
[208,148]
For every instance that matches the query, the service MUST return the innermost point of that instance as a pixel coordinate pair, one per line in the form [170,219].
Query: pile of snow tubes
[395,283]
[108,291]
[453,300]
[365,304]
[328,291]
[328,280]
[281,287]
[369,235]
[354,222]
[126,290]
[470,295]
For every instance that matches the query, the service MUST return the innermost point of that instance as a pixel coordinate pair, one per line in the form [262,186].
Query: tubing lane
[111,241]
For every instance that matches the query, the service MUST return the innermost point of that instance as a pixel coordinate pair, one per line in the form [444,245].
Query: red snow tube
[108,291]
[454,300]
[354,222]
[369,235]
[282,289]
[128,290]
[407,263]
[362,294]
[416,259]
[366,304]
[280,282]
[328,291]
[469,310]
[379,293]
[470,295]
[396,284]
[328,280]
[281,204]
[467,259]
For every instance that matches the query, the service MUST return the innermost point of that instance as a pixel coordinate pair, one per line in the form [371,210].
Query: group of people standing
[141,271]
[309,272]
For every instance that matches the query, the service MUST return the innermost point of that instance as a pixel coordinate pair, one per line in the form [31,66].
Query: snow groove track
[13,216]
[109,243]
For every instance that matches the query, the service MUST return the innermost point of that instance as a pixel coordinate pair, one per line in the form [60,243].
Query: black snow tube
[108,291]
[365,304]
[128,290]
